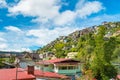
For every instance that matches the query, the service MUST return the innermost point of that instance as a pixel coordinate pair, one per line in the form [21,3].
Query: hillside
[98,47]
[73,42]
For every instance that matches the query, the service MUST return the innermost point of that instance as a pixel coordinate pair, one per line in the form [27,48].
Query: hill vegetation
[98,48]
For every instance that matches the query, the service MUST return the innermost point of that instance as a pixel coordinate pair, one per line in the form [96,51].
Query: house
[29,74]
[69,67]
[117,33]
[71,54]
[47,55]
[104,23]
[27,59]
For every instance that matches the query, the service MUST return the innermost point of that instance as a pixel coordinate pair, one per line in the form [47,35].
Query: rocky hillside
[72,43]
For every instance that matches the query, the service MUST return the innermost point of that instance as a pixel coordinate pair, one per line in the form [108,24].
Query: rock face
[71,40]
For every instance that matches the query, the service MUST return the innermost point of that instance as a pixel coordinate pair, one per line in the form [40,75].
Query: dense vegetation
[6,59]
[98,48]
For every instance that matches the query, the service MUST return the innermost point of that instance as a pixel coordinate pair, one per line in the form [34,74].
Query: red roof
[118,76]
[10,74]
[58,60]
[39,73]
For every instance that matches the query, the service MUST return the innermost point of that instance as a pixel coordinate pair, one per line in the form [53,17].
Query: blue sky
[30,24]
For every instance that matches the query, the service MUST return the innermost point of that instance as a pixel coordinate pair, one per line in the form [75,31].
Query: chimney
[31,70]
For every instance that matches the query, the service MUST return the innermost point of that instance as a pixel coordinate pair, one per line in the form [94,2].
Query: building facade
[69,67]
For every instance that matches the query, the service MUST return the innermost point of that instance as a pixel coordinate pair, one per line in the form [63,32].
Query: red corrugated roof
[10,74]
[55,61]
[39,73]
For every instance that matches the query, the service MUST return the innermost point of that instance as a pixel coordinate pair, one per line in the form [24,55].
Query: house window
[45,65]
[63,68]
[76,67]
[70,67]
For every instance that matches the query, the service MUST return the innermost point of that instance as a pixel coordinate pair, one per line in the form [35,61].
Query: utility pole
[16,71]
[16,64]
[42,66]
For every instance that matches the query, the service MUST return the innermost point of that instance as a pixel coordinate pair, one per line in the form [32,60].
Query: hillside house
[117,33]
[69,67]
[71,54]
[104,23]
[46,55]
[27,59]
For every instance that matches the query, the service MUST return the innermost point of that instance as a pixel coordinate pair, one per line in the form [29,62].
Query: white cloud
[3,4]
[11,41]
[98,20]
[3,43]
[43,9]
[13,28]
[65,18]
[17,49]
[2,40]
[15,39]
[83,9]
[44,36]
[47,14]
[2,34]
[3,46]
[89,8]
[80,4]
[46,11]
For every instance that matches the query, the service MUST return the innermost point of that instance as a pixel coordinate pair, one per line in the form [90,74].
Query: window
[63,68]
[70,67]
[45,65]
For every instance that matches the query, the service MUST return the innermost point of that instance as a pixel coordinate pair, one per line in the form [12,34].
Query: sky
[30,24]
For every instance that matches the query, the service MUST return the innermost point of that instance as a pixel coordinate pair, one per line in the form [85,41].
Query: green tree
[116,53]
[59,52]
[101,66]
[1,60]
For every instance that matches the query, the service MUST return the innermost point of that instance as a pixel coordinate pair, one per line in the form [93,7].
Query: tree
[59,50]
[101,66]
[1,60]
[116,53]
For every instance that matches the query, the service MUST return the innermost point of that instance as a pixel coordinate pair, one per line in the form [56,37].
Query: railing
[69,72]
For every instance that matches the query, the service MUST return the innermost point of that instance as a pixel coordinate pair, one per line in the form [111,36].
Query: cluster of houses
[31,66]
